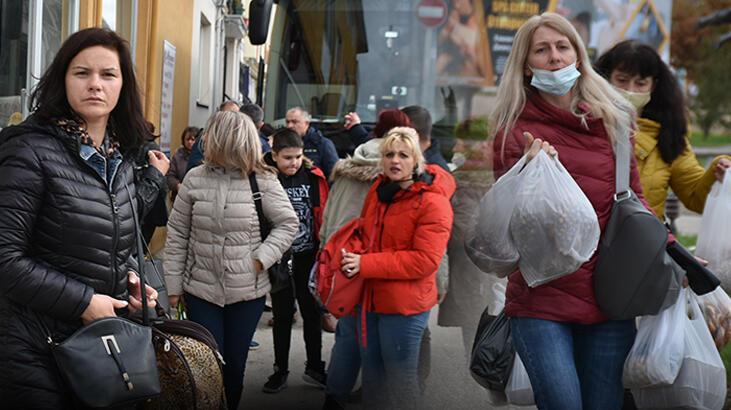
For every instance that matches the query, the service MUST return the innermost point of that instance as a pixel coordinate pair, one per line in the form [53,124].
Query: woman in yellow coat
[664,155]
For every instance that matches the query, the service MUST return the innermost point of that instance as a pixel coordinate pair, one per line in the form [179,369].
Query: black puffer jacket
[64,235]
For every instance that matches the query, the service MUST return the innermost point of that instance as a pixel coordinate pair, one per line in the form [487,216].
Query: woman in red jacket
[405,222]
[573,354]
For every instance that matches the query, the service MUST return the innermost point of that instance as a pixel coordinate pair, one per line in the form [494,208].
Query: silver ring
[349,270]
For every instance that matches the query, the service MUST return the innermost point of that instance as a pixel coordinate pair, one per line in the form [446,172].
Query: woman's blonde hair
[408,136]
[603,101]
[231,141]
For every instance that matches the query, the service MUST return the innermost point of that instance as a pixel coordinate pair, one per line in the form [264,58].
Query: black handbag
[111,361]
[492,352]
[634,274]
[280,274]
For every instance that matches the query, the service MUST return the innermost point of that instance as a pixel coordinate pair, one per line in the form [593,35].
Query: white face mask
[638,100]
[557,82]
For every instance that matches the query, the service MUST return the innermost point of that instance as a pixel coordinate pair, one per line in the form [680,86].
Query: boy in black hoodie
[307,189]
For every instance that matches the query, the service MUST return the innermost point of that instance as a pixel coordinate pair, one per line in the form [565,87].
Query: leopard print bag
[190,367]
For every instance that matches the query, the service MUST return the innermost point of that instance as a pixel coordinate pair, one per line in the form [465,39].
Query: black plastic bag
[493,352]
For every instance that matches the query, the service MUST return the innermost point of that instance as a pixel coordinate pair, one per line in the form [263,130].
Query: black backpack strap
[264,227]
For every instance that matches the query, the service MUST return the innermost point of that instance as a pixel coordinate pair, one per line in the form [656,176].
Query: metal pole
[35,47]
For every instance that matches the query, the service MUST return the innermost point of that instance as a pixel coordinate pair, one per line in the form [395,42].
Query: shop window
[31,33]
[204,62]
[119,15]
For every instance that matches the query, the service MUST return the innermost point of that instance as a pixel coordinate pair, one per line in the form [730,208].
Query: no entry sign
[432,13]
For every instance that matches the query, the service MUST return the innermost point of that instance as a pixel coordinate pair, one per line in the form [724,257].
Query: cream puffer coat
[213,235]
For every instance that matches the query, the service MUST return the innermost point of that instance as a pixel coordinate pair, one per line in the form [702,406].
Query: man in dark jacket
[318,148]
[421,121]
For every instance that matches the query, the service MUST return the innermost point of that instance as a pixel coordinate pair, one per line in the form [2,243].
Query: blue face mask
[557,82]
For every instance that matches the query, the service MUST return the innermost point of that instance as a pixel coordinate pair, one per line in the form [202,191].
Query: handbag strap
[264,227]
[623,150]
[140,257]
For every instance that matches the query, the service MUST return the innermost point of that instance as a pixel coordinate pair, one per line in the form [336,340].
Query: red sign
[432,13]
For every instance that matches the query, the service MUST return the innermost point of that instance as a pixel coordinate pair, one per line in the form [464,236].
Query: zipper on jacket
[115,233]
[115,213]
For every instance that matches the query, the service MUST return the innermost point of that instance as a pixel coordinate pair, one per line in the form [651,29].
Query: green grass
[726,356]
[713,140]
[687,240]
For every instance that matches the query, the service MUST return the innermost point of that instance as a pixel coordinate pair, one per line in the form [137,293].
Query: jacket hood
[368,153]
[434,179]
[313,134]
[363,166]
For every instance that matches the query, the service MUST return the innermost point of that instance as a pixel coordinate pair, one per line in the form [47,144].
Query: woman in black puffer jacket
[66,227]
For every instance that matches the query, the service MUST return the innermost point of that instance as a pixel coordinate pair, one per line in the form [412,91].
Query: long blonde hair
[231,141]
[591,88]
[408,136]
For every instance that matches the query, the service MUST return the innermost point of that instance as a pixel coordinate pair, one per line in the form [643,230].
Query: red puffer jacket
[407,239]
[588,156]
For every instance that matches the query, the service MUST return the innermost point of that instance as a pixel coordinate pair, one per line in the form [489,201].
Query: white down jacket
[213,235]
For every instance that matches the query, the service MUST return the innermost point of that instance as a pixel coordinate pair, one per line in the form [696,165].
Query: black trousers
[283,309]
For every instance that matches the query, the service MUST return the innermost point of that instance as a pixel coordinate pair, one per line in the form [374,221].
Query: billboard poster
[474,43]
[463,52]
[603,23]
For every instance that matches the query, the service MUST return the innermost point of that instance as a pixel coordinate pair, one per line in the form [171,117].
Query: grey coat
[213,235]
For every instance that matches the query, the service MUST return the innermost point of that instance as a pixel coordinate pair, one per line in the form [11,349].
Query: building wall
[164,20]
[202,68]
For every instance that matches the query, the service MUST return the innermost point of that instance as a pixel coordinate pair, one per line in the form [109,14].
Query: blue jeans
[344,360]
[573,366]
[233,327]
[390,359]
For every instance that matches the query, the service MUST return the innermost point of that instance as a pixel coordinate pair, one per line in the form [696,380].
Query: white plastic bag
[491,248]
[716,308]
[518,390]
[553,226]
[714,241]
[497,301]
[701,381]
[657,353]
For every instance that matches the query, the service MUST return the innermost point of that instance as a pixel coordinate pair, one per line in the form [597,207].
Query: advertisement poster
[166,99]
[463,52]
[474,42]
[603,23]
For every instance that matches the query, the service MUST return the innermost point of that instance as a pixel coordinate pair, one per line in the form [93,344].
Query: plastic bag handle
[726,184]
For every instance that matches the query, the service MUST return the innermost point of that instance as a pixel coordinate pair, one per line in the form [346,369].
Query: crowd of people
[248,207]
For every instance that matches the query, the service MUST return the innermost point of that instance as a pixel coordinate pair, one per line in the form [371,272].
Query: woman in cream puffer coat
[214,254]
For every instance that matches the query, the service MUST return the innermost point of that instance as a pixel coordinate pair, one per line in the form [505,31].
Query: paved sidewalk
[449,386]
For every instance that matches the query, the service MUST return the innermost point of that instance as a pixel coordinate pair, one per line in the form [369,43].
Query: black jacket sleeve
[24,279]
[358,134]
[150,182]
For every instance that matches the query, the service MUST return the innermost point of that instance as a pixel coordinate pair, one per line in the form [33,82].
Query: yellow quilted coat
[685,176]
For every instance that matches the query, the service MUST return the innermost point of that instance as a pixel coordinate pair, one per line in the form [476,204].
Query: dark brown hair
[285,138]
[666,104]
[49,99]
[420,120]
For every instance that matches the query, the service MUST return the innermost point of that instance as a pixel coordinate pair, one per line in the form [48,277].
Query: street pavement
[449,386]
